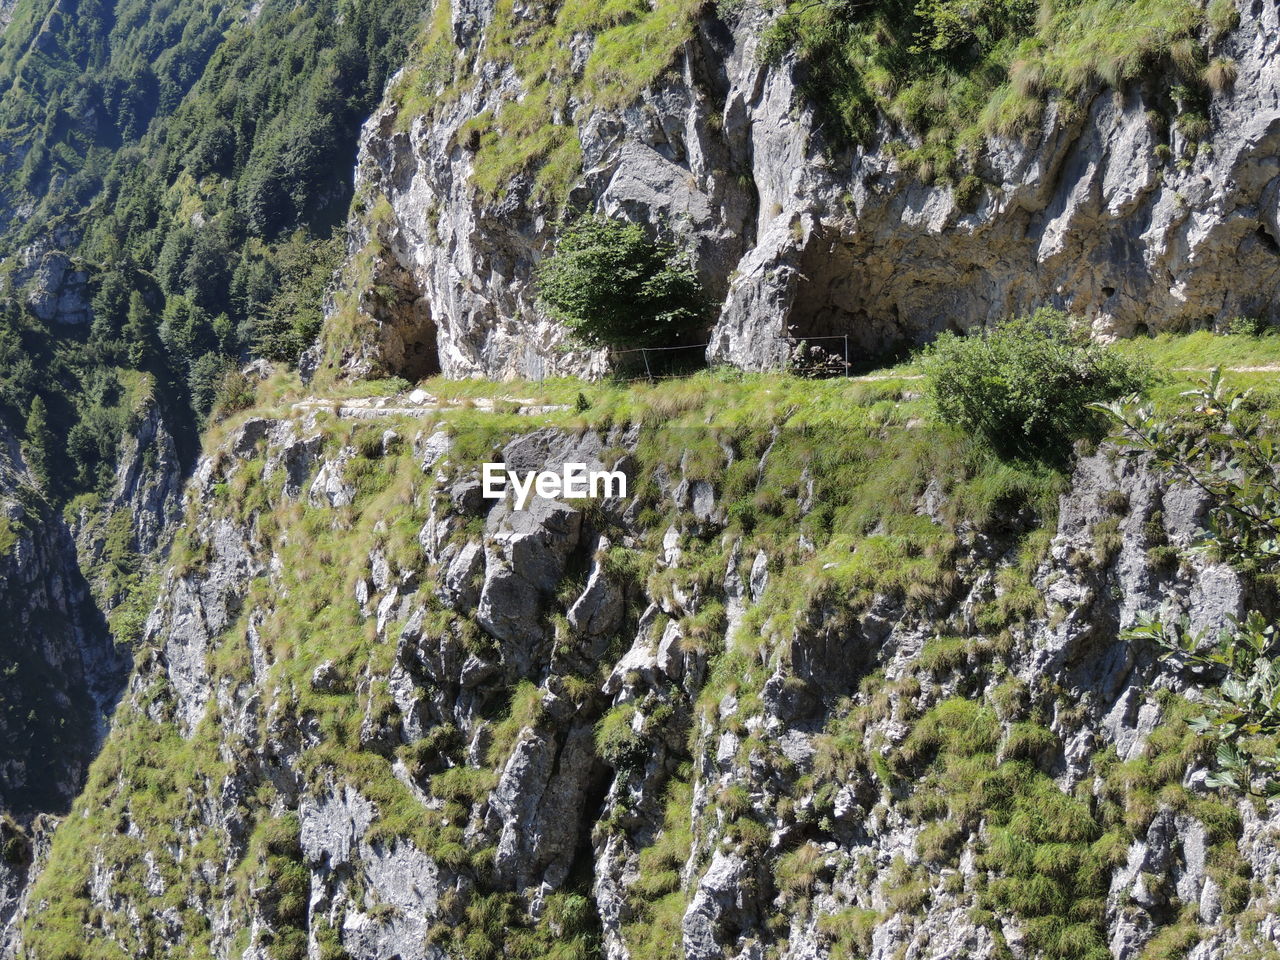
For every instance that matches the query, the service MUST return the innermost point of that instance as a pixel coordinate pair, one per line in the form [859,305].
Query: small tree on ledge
[613,285]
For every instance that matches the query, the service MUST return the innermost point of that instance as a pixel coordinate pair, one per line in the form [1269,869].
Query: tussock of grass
[1051,857]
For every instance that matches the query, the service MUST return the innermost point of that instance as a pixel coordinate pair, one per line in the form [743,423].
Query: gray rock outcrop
[1099,213]
[530,722]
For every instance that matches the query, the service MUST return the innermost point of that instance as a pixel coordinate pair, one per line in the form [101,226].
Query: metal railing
[652,377]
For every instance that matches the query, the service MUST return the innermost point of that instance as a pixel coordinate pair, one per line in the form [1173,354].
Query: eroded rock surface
[1103,214]
[528,716]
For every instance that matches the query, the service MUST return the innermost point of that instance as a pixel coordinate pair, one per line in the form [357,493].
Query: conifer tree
[39,442]
[135,331]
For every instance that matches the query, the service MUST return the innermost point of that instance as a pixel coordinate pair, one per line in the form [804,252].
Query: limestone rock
[522,568]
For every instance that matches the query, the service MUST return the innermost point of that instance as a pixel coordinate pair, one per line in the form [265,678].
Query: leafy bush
[1246,326]
[1025,387]
[1226,449]
[613,285]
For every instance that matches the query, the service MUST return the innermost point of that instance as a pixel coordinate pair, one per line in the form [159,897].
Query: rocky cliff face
[1105,210]
[55,287]
[119,534]
[810,691]
[65,666]
[63,670]
[62,677]
[751,710]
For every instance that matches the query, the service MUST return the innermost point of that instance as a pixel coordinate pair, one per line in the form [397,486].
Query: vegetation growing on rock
[946,74]
[928,786]
[1225,448]
[841,676]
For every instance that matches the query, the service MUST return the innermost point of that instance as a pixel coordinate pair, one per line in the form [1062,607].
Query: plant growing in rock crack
[1225,448]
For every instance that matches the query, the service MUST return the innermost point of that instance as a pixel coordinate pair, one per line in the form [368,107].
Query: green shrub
[1025,387]
[1246,326]
[1227,450]
[614,285]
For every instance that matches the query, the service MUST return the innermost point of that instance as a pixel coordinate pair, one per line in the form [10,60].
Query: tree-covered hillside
[171,178]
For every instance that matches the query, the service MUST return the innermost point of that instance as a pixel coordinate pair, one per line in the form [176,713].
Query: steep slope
[73,595]
[1141,196]
[829,682]
[169,177]
[62,676]
[63,671]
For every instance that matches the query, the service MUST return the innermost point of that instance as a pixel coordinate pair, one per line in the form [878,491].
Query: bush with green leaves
[614,285]
[1226,448]
[1026,386]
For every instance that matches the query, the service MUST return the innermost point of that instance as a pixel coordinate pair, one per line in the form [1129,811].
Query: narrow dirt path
[419,403]
[1266,368]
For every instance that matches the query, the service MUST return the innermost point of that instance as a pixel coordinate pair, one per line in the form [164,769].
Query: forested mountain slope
[171,180]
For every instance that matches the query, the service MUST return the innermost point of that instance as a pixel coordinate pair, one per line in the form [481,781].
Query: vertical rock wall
[1105,214]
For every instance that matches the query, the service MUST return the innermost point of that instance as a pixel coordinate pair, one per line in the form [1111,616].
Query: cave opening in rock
[406,339]
[830,314]
[1267,240]
[421,351]
[410,348]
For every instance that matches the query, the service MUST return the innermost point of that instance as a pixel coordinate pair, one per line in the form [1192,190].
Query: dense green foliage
[196,161]
[1226,447]
[1025,386]
[612,284]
